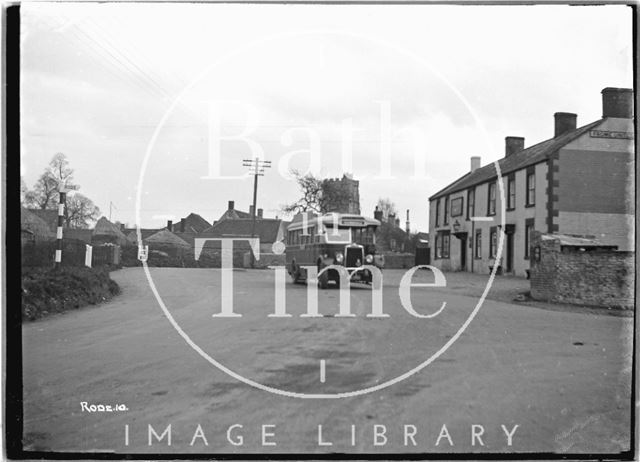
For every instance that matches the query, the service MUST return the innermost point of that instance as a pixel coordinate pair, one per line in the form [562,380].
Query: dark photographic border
[13,417]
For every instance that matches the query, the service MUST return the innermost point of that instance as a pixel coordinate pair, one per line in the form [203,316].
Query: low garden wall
[595,277]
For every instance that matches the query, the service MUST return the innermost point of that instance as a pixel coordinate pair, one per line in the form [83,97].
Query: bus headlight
[339,257]
[369,258]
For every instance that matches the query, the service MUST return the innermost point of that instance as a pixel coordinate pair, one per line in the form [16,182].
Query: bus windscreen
[338,235]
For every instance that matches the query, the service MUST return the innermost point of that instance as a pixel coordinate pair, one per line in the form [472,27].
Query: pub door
[463,253]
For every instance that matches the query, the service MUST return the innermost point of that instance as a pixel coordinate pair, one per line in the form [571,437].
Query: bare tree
[24,190]
[311,200]
[318,195]
[45,192]
[387,206]
[81,211]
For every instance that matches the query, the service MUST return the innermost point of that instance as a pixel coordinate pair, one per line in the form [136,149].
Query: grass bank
[50,290]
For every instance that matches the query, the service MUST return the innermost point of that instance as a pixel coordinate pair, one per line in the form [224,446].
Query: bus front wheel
[295,272]
[323,279]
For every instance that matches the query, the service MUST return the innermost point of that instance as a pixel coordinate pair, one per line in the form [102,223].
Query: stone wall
[591,277]
[399,260]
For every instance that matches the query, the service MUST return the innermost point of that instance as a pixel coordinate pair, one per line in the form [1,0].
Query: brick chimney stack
[617,102]
[182,224]
[251,211]
[260,211]
[377,214]
[513,144]
[564,122]
[475,163]
[231,205]
[170,225]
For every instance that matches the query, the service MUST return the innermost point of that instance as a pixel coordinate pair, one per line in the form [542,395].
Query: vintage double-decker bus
[332,239]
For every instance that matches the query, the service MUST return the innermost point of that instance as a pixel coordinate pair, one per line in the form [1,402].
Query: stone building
[578,182]
[341,195]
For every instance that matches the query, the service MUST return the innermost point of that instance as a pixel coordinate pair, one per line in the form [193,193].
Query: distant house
[234,214]
[107,232]
[189,227]
[193,223]
[165,238]
[390,237]
[49,217]
[34,228]
[132,234]
[268,230]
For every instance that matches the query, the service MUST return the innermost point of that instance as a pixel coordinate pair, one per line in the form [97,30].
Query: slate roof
[233,214]
[530,156]
[194,223]
[189,238]
[266,228]
[132,235]
[164,236]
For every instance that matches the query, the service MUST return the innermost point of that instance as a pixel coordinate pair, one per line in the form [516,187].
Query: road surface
[517,379]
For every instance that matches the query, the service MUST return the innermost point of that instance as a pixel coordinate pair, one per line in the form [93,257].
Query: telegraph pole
[256,168]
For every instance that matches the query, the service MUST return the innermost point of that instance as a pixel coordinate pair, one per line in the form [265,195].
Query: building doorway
[462,239]
[463,253]
[510,232]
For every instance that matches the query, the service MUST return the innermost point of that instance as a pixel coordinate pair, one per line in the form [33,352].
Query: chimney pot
[475,163]
[617,102]
[564,122]
[170,225]
[260,212]
[513,144]
[231,205]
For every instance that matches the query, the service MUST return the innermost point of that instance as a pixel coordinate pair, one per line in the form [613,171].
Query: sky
[166,99]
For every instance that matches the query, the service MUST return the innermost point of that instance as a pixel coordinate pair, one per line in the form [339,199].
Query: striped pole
[60,223]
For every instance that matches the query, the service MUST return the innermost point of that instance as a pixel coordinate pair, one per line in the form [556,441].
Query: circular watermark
[278,247]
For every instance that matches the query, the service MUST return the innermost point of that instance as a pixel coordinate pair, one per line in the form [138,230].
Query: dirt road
[563,378]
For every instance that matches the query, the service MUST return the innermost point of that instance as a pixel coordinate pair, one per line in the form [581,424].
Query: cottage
[34,228]
[268,230]
[106,232]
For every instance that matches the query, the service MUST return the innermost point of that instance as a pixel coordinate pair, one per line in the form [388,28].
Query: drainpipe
[473,243]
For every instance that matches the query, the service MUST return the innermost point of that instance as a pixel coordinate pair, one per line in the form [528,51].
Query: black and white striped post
[61,206]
